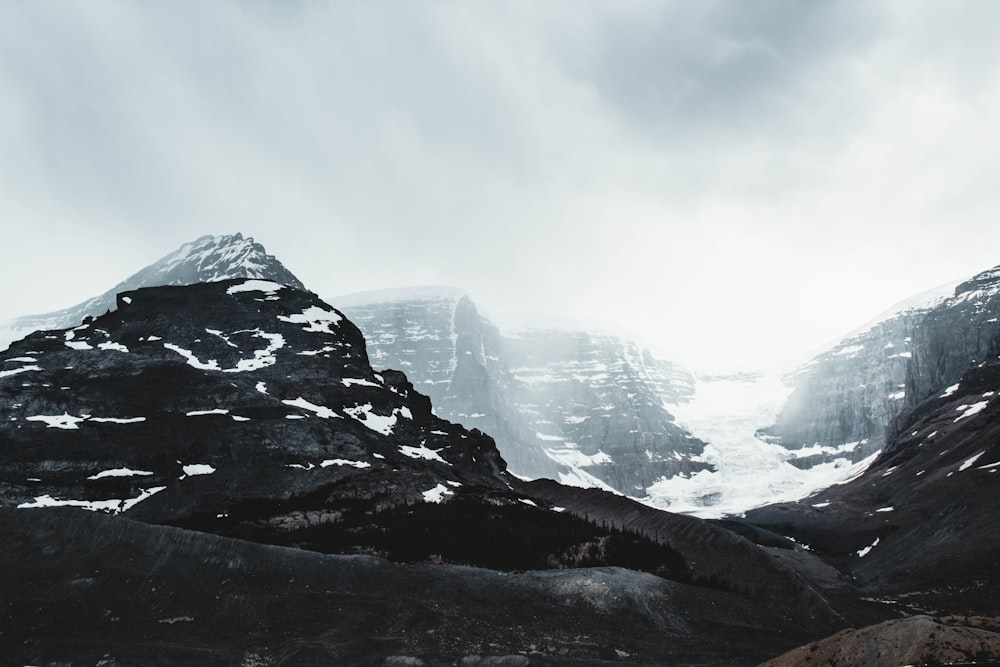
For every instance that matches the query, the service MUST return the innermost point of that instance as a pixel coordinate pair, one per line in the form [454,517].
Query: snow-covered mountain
[210,427]
[206,259]
[844,399]
[585,408]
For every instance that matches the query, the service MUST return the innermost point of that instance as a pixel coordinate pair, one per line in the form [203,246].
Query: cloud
[735,180]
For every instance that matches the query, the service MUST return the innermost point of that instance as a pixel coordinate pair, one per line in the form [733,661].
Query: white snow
[437,494]
[969,461]
[193,469]
[576,459]
[313,353]
[199,413]
[120,472]
[319,410]
[117,420]
[821,505]
[192,360]
[318,319]
[971,410]
[422,452]
[79,345]
[110,345]
[21,360]
[950,390]
[379,423]
[749,472]
[114,506]
[584,480]
[864,552]
[22,369]
[849,350]
[888,508]
[361,382]
[261,387]
[64,421]
[527,502]
[265,286]
[344,462]
[126,299]
[260,359]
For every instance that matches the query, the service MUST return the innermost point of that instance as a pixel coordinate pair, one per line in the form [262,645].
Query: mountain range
[276,479]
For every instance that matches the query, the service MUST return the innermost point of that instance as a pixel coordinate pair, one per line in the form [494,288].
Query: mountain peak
[207,259]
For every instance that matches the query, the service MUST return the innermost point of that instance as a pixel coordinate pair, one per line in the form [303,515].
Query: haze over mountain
[781,170]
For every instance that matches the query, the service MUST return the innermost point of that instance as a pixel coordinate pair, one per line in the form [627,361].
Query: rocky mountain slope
[846,397]
[206,259]
[287,491]
[919,527]
[584,408]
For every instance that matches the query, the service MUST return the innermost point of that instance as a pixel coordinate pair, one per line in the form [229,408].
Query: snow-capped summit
[208,259]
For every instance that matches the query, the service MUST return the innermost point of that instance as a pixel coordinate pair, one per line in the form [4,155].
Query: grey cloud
[717,70]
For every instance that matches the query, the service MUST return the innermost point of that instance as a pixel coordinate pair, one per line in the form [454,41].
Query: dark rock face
[207,259]
[583,408]
[851,393]
[954,336]
[216,380]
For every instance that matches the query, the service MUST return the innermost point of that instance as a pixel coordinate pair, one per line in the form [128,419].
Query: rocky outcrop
[206,259]
[917,640]
[584,408]
[954,336]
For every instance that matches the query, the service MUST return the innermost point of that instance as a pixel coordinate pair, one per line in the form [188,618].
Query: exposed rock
[846,398]
[917,640]
[584,408]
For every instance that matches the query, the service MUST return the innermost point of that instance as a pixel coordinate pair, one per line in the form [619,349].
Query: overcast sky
[738,182]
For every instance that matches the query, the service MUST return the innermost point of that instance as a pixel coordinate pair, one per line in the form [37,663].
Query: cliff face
[954,336]
[580,407]
[596,402]
[845,399]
